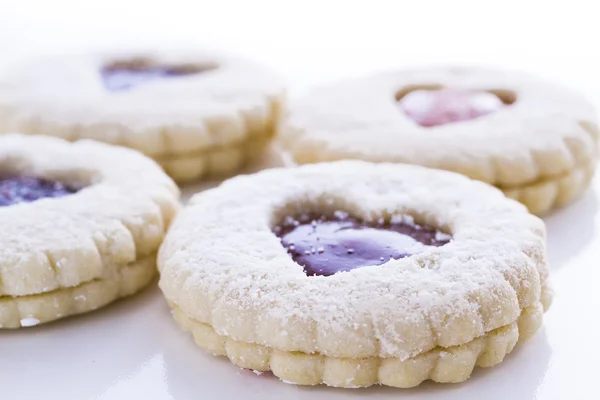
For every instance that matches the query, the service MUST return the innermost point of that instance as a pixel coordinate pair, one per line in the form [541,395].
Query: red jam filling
[124,76]
[438,107]
[28,189]
[325,245]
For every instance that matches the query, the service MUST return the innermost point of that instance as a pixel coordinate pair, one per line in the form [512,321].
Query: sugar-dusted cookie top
[73,211]
[428,258]
[502,127]
[162,103]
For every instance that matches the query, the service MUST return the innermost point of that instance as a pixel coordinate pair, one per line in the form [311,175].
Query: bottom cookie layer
[447,365]
[24,311]
[212,163]
[544,196]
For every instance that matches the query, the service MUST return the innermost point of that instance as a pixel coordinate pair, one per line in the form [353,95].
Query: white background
[133,350]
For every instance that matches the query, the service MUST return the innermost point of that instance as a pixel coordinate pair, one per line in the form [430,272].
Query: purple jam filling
[124,78]
[28,189]
[438,107]
[325,245]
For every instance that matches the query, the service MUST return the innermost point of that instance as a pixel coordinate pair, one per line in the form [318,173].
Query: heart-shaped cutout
[28,189]
[125,75]
[434,106]
[325,245]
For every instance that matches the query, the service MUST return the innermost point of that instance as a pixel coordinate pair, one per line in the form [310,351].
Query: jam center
[325,245]
[28,189]
[127,75]
[438,107]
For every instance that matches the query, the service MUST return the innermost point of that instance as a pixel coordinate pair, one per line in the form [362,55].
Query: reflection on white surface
[572,323]
[79,358]
[517,378]
[147,383]
[572,230]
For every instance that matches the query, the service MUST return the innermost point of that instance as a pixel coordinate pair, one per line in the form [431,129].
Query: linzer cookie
[353,274]
[81,225]
[536,141]
[197,114]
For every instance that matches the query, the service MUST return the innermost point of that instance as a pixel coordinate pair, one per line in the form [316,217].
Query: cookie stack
[397,256]
[199,115]
[83,221]
[535,141]
[81,225]
[437,273]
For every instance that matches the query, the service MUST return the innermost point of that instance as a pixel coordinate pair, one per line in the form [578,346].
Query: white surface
[133,350]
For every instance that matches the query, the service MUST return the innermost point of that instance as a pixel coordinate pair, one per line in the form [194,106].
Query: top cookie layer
[545,132]
[120,215]
[221,264]
[205,100]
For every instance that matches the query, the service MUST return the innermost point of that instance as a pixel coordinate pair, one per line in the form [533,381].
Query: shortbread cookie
[352,273]
[197,114]
[81,225]
[536,141]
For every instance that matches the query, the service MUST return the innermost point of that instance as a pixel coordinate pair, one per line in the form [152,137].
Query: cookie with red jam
[536,141]
[81,226]
[198,114]
[353,274]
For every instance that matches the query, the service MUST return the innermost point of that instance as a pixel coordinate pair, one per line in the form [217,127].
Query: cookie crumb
[340,214]
[29,321]
[441,236]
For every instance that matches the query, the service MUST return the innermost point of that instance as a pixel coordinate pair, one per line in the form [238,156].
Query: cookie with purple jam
[353,274]
[198,114]
[81,226]
[536,141]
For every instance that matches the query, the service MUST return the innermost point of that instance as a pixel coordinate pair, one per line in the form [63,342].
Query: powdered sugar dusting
[441,236]
[360,119]
[29,321]
[249,288]
[52,246]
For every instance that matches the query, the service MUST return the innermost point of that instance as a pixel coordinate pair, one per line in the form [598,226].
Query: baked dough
[433,315]
[66,255]
[541,149]
[198,114]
